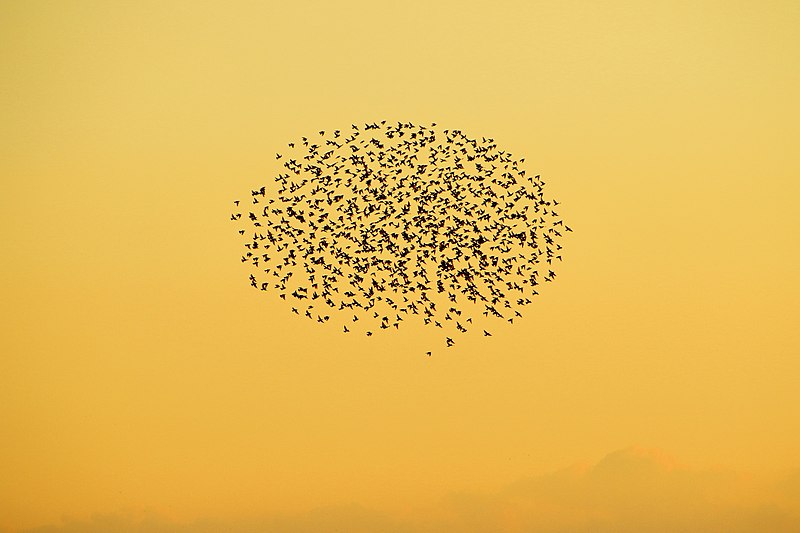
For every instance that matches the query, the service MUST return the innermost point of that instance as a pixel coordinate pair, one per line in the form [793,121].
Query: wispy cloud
[632,490]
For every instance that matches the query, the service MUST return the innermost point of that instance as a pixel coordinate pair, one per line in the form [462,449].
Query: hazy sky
[144,383]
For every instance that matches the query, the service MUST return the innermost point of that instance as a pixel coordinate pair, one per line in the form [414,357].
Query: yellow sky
[140,371]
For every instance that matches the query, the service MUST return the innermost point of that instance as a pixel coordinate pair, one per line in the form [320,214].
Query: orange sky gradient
[145,386]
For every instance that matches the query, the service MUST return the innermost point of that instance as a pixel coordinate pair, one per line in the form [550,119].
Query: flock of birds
[389,222]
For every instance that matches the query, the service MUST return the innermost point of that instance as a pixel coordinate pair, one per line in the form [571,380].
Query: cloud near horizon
[631,490]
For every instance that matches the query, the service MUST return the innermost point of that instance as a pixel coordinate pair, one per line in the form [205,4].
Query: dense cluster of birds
[388,222]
